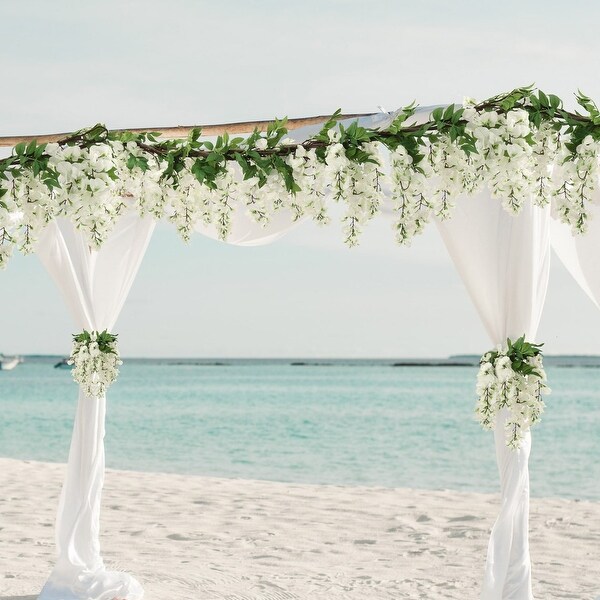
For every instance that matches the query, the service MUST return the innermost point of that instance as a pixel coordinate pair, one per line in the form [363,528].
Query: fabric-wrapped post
[95,285]
[504,262]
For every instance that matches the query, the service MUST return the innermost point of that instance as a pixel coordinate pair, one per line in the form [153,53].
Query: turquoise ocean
[333,422]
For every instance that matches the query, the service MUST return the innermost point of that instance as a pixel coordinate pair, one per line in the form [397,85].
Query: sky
[67,65]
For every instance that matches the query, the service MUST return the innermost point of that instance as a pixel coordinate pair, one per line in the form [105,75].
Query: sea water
[339,422]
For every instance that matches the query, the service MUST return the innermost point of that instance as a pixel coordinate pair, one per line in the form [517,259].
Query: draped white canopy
[504,263]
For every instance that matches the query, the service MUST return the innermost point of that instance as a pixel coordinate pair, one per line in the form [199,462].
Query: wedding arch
[503,180]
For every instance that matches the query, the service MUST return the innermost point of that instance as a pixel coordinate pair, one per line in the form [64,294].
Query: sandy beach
[208,539]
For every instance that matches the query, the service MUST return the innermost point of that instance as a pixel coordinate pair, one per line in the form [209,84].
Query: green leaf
[437,114]
[457,115]
[247,169]
[448,112]
[142,163]
[194,134]
[323,134]
[555,101]
[198,171]
[137,161]
[589,105]
[36,167]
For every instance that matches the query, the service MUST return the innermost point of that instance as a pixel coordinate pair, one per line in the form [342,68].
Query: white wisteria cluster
[515,382]
[522,146]
[357,185]
[575,184]
[95,361]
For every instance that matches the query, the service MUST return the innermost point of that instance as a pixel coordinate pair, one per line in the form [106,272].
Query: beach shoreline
[208,538]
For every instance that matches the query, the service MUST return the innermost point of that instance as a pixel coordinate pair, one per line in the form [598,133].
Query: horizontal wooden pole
[181,131]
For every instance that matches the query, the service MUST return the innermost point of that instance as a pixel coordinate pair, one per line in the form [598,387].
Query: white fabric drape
[579,253]
[95,285]
[504,262]
[247,232]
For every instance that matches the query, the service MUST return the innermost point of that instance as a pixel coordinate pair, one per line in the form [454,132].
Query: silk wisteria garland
[523,145]
[512,377]
[96,361]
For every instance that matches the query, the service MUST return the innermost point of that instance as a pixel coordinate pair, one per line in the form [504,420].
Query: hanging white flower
[358,186]
[512,377]
[576,181]
[96,361]
[506,160]
[409,194]
[309,199]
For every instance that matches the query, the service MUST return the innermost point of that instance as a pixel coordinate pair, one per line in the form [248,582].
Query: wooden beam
[181,131]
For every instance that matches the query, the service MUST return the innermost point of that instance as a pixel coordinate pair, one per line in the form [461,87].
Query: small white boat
[7,363]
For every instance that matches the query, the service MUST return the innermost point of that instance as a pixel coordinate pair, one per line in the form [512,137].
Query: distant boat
[63,364]
[7,363]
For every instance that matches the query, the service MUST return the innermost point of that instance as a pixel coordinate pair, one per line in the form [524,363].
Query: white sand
[203,538]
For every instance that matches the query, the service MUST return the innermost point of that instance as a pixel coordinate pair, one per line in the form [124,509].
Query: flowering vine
[523,145]
[96,361]
[512,377]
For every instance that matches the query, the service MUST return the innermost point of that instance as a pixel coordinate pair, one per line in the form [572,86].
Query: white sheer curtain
[504,262]
[579,253]
[245,231]
[95,285]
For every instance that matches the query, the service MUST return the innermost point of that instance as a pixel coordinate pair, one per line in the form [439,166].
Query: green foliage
[323,135]
[403,115]
[353,139]
[590,106]
[262,153]
[276,131]
[507,101]
[519,352]
[543,108]
[580,126]
[322,138]
[450,122]
[106,341]
[30,157]
[137,161]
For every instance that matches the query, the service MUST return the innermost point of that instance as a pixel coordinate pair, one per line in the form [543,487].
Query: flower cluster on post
[96,361]
[512,377]
[523,145]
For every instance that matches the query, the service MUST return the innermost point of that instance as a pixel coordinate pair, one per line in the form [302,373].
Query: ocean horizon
[356,422]
[558,360]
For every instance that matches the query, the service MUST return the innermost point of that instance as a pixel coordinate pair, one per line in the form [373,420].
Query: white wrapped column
[95,285]
[504,262]
[508,565]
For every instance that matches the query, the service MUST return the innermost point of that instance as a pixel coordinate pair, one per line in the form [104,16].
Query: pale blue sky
[66,65]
